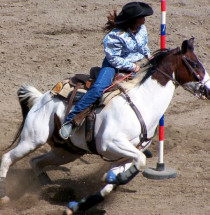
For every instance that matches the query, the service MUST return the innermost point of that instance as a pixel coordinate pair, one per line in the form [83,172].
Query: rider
[124,45]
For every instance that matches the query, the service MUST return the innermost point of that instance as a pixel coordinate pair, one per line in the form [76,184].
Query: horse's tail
[27,95]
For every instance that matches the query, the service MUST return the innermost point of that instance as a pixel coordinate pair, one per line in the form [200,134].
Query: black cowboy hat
[133,10]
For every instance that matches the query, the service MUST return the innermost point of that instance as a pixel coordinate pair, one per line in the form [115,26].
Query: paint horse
[118,130]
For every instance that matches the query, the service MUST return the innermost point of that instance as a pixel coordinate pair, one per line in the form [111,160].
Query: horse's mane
[153,63]
[148,69]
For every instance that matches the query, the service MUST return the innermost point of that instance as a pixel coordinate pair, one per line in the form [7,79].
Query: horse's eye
[194,65]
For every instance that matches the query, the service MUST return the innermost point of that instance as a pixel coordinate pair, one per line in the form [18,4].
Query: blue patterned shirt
[123,49]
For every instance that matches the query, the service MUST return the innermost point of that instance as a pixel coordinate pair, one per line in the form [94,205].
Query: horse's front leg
[92,200]
[121,147]
[121,173]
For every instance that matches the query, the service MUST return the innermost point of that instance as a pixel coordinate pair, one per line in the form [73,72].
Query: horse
[118,132]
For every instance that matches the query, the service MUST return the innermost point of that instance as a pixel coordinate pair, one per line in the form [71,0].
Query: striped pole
[163,25]
[161,142]
[160,164]
[161,172]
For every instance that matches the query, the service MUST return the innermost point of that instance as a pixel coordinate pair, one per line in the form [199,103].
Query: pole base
[160,173]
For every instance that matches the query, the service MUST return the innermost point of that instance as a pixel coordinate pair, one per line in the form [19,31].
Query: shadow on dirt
[23,186]
[23,181]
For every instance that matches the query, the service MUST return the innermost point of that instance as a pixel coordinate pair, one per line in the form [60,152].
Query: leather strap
[190,68]
[143,135]
[72,98]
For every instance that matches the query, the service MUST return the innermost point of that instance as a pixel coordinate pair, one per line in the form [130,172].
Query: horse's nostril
[202,89]
[208,94]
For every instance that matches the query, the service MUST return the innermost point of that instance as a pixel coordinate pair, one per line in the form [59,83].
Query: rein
[175,82]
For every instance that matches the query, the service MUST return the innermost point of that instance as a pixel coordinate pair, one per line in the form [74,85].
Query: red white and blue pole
[162,46]
[161,172]
[163,25]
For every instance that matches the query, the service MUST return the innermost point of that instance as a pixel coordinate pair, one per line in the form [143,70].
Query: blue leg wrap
[73,206]
[111,178]
[122,178]
[86,203]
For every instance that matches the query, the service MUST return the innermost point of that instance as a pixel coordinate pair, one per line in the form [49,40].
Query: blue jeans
[103,81]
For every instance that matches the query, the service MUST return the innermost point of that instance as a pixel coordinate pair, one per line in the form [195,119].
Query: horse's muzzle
[205,92]
[198,89]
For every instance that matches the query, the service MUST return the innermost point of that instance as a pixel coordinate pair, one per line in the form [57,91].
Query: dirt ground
[45,41]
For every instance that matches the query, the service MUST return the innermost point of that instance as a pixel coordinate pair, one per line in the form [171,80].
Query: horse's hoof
[148,153]
[68,212]
[44,179]
[4,200]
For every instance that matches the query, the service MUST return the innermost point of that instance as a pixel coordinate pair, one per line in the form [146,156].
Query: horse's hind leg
[21,150]
[56,157]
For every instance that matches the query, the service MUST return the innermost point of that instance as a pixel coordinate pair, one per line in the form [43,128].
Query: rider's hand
[151,57]
[137,68]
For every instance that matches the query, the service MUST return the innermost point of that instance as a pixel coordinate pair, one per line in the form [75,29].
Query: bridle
[190,68]
[187,62]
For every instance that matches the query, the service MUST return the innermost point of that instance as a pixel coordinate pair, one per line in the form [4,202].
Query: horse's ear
[184,46]
[191,44]
[191,41]
[188,45]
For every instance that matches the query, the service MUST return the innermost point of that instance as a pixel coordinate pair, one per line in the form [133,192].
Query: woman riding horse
[117,138]
[125,44]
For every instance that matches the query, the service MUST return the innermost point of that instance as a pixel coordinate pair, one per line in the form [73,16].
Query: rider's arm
[142,39]
[113,47]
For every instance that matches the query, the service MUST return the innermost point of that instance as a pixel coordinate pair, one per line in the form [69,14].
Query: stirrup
[66,130]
